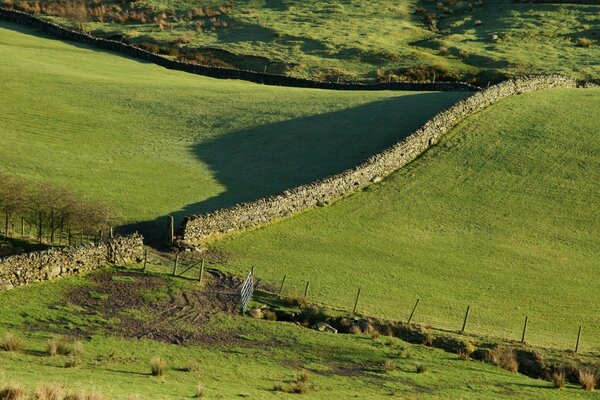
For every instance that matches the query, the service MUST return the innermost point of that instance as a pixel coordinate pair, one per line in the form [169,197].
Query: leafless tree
[12,197]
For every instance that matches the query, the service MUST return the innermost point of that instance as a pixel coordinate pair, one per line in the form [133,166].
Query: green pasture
[501,215]
[357,40]
[150,142]
[262,354]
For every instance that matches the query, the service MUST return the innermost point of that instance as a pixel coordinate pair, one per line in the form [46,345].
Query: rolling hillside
[502,215]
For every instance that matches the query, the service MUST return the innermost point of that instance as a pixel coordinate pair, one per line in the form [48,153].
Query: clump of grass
[200,392]
[505,358]
[584,42]
[50,392]
[158,366]
[72,362]
[559,380]
[269,315]
[463,54]
[193,366]
[12,392]
[299,388]
[295,300]
[388,366]
[11,342]
[304,376]
[63,347]
[52,347]
[587,380]
[355,330]
[421,367]
[375,334]
[443,51]
[78,348]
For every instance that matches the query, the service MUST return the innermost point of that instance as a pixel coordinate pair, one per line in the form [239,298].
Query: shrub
[443,50]
[504,357]
[584,42]
[52,347]
[158,366]
[193,366]
[50,392]
[559,379]
[421,368]
[72,362]
[199,391]
[11,342]
[587,380]
[388,366]
[12,392]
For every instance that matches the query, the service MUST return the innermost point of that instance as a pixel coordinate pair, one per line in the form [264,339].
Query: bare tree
[12,196]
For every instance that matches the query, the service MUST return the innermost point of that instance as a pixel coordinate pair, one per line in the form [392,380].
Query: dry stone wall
[216,72]
[38,266]
[197,228]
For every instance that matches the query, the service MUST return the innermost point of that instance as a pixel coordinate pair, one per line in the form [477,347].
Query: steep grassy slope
[244,358]
[502,215]
[368,40]
[149,141]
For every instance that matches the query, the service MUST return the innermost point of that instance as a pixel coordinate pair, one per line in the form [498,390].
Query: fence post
[175,263]
[69,236]
[170,229]
[281,286]
[306,289]
[356,301]
[145,259]
[465,321]
[524,329]
[112,236]
[578,338]
[201,270]
[413,311]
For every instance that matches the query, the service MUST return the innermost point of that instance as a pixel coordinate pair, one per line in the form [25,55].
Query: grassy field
[150,142]
[360,40]
[250,357]
[502,215]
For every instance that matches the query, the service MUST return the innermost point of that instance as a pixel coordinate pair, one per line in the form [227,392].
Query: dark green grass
[359,40]
[502,215]
[149,142]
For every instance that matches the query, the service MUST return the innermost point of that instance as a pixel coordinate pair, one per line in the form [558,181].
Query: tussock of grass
[12,392]
[505,358]
[559,380]
[11,342]
[587,380]
[158,366]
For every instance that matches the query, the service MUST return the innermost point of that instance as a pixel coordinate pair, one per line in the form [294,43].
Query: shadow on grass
[10,246]
[269,159]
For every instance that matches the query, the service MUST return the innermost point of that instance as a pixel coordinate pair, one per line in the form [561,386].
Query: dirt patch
[149,306]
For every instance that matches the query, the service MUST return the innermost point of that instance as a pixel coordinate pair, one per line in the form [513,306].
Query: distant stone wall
[23,269]
[217,72]
[197,228]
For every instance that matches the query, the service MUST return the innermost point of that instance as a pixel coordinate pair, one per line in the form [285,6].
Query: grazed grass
[502,215]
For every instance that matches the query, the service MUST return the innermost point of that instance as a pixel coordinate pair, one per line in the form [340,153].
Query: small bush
[587,380]
[584,42]
[388,366]
[193,366]
[199,391]
[12,392]
[52,347]
[72,362]
[11,342]
[158,366]
[443,50]
[50,392]
[504,357]
[421,368]
[559,379]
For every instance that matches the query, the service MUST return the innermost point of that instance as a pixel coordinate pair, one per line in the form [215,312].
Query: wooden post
[175,263]
[100,235]
[413,311]
[145,259]
[112,236]
[524,329]
[69,236]
[306,289]
[170,229]
[201,270]
[578,338]
[281,287]
[465,321]
[356,301]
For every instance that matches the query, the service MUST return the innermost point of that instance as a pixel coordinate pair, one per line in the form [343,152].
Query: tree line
[49,209]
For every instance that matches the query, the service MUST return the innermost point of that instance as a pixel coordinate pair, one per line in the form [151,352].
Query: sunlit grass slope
[150,141]
[502,215]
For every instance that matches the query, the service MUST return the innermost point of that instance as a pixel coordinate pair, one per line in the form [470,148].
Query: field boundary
[197,228]
[218,72]
[22,269]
